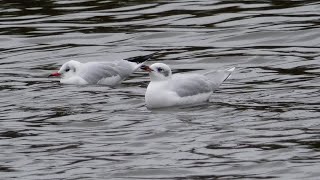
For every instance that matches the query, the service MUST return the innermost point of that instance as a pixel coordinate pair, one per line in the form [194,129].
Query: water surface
[263,123]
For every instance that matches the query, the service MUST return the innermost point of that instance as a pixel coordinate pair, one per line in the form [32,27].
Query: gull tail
[140,59]
[219,76]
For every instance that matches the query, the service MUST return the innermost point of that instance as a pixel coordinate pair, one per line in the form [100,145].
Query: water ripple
[261,124]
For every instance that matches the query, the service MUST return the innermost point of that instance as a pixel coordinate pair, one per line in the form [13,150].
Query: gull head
[158,71]
[68,69]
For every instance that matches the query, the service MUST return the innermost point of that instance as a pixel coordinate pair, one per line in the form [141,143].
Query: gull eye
[159,69]
[68,69]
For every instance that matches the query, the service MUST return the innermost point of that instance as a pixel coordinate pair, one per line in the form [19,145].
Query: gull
[107,73]
[166,89]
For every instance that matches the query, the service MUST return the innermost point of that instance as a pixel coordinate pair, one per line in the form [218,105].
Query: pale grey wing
[219,76]
[109,73]
[189,85]
[125,68]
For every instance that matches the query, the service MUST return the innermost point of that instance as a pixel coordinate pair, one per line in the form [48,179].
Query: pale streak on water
[262,124]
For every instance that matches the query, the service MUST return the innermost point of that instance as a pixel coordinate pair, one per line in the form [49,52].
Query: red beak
[146,68]
[55,74]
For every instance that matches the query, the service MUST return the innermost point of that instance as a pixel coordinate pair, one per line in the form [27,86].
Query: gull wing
[219,76]
[107,73]
[189,85]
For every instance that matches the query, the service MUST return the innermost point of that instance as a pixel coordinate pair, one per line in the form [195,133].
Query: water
[263,123]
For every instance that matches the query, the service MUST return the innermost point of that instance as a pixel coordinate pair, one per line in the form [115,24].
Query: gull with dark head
[107,73]
[166,89]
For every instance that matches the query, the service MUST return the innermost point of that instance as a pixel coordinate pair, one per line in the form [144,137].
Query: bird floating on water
[107,73]
[166,89]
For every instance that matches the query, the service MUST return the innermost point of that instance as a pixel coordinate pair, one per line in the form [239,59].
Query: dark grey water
[263,123]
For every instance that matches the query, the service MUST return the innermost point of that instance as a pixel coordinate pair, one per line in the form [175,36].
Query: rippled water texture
[262,123]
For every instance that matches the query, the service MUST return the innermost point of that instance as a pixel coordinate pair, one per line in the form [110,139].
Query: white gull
[166,90]
[107,73]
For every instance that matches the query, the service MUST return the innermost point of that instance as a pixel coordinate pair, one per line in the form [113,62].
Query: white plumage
[167,90]
[107,73]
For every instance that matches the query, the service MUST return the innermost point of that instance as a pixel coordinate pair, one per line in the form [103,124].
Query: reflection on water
[261,124]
